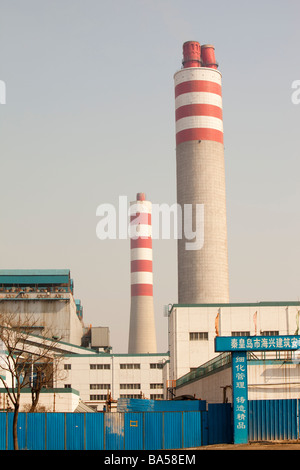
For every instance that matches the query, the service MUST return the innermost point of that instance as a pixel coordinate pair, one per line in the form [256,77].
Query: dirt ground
[269,445]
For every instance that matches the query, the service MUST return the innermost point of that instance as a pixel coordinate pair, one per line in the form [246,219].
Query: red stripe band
[199,110]
[199,134]
[141,289]
[141,265]
[198,85]
[141,242]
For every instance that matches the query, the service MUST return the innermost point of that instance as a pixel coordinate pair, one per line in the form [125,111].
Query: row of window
[156,396]
[203,335]
[122,386]
[122,366]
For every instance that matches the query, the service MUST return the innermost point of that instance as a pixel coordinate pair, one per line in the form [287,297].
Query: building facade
[44,298]
[97,376]
[193,328]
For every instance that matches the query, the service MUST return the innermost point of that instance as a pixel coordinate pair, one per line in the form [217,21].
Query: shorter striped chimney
[142,336]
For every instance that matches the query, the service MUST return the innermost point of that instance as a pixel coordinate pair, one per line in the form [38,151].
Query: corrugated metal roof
[34,272]
[34,276]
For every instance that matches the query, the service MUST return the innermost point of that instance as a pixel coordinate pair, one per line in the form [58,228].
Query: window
[99,366]
[67,366]
[156,366]
[130,396]
[240,333]
[100,386]
[130,366]
[156,396]
[269,333]
[199,336]
[98,397]
[130,386]
[68,386]
[154,386]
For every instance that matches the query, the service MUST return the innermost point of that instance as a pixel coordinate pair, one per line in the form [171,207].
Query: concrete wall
[266,381]
[210,388]
[54,400]
[203,273]
[56,314]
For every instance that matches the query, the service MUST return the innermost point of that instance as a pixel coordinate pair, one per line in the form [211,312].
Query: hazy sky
[89,116]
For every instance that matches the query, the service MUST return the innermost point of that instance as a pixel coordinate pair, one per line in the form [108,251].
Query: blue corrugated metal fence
[272,420]
[149,430]
[106,431]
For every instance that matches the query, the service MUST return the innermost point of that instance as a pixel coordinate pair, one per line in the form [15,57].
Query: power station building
[203,310]
[47,297]
[92,372]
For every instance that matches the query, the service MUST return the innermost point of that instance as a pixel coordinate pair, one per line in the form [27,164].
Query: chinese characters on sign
[257,343]
[239,346]
[240,397]
[265,343]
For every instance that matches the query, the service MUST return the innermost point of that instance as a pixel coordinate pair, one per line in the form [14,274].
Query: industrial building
[48,297]
[91,372]
[201,372]
[204,310]
[193,328]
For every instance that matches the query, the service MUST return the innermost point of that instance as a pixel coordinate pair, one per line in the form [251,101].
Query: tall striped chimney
[142,336]
[202,273]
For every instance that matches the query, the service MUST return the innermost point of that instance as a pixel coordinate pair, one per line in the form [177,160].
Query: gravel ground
[278,445]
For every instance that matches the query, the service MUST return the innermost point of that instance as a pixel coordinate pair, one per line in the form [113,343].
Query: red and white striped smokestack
[142,336]
[202,274]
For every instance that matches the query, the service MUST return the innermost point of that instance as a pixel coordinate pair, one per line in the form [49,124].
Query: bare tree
[27,361]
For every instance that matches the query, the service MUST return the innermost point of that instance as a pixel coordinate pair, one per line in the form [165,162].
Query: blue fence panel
[55,431]
[3,418]
[192,429]
[74,431]
[179,405]
[136,405]
[273,419]
[153,430]
[172,423]
[134,432]
[114,431]
[36,431]
[220,423]
[94,431]
[204,417]
[21,431]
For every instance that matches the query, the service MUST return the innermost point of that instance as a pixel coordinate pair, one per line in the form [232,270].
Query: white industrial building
[119,375]
[193,328]
[47,297]
[90,371]
[205,374]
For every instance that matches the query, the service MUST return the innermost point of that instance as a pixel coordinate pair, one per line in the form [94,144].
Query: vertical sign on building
[240,397]
[239,346]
